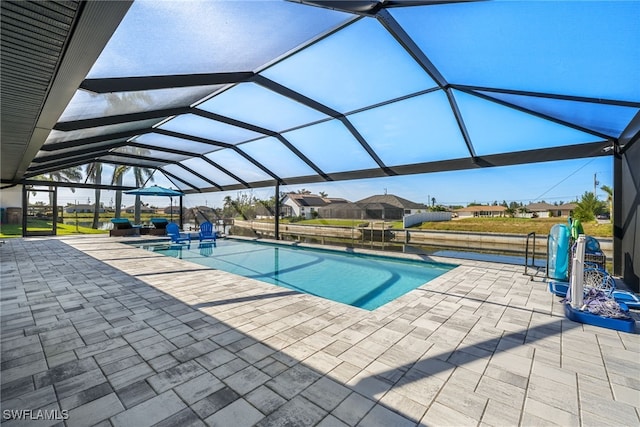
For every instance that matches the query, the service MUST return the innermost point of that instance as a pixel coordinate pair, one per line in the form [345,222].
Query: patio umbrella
[156,190]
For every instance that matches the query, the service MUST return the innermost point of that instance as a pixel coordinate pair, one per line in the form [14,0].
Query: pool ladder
[532,257]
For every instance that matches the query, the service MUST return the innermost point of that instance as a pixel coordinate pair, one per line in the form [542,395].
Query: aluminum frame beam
[131,84]
[594,149]
[120,118]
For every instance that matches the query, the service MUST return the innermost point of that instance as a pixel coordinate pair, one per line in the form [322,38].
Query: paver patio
[98,332]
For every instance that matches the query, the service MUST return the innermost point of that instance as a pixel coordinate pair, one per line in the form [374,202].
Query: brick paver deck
[98,332]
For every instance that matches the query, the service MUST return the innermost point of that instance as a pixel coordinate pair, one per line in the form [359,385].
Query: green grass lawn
[88,217]
[15,230]
[540,226]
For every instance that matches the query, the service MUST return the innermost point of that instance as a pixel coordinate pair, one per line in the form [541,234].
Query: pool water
[364,281]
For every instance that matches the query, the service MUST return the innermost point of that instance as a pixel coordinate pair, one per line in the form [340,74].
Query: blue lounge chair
[159,227]
[206,232]
[159,223]
[122,227]
[176,236]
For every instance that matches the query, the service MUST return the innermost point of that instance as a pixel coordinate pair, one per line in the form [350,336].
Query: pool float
[558,249]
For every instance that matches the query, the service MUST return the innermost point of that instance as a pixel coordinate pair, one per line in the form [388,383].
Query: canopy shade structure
[156,190]
[396,87]
[229,95]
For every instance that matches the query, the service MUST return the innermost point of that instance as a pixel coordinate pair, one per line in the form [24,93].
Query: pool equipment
[595,308]
[598,278]
[576,228]
[595,276]
[577,274]
[627,298]
[558,250]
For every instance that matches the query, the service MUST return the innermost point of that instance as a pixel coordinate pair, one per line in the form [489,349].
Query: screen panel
[186,176]
[608,119]
[353,68]
[238,165]
[579,48]
[214,130]
[251,103]
[331,147]
[494,128]
[87,105]
[415,130]
[140,163]
[155,154]
[170,142]
[62,136]
[177,36]
[276,157]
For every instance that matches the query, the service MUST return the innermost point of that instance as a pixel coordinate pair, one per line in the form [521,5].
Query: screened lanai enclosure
[232,95]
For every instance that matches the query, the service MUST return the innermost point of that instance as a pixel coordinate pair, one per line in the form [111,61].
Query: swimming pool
[364,281]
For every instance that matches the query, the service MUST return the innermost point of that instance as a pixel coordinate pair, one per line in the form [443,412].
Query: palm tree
[609,192]
[94,174]
[125,100]
[73,174]
[117,178]
[227,208]
[116,102]
[141,176]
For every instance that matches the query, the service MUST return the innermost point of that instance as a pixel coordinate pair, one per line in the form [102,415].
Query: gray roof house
[82,208]
[295,204]
[364,211]
[540,209]
[379,207]
[545,210]
[143,209]
[565,209]
[407,206]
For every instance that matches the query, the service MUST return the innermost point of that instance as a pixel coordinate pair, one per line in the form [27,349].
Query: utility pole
[595,184]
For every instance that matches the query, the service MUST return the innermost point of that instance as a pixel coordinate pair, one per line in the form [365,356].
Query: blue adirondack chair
[176,235]
[206,232]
